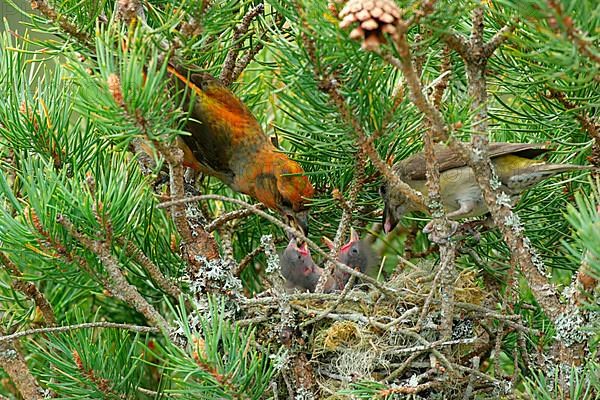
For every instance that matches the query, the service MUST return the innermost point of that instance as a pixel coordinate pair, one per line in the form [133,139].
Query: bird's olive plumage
[461,196]
[226,141]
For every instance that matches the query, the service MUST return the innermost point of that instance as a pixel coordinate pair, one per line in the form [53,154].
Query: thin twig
[260,301]
[496,41]
[447,289]
[247,259]
[87,325]
[246,59]
[155,273]
[331,308]
[429,298]
[236,43]
[29,290]
[498,348]
[479,374]
[469,389]
[404,366]
[409,389]
[228,217]
[439,343]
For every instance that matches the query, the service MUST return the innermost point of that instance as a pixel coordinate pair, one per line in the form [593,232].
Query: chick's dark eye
[299,257]
[354,251]
[382,190]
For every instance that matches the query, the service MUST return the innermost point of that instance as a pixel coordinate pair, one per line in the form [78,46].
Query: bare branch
[87,325]
[227,72]
[457,43]
[500,37]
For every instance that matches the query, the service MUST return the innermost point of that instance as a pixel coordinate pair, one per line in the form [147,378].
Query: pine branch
[14,364]
[119,287]
[584,45]
[29,290]
[50,13]
[168,286]
[228,71]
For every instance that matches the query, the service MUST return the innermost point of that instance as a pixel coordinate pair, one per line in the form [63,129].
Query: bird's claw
[440,233]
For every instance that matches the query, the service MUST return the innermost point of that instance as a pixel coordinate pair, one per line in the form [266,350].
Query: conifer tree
[125,275]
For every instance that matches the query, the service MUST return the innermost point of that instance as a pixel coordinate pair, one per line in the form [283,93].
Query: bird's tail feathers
[560,168]
[533,174]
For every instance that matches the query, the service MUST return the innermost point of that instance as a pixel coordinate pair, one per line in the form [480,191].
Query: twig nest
[374,18]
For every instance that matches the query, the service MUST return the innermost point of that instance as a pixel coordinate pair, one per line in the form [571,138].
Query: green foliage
[583,384]
[93,364]
[585,218]
[219,361]
[66,127]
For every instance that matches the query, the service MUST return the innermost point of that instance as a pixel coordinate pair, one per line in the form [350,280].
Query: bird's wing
[414,167]
[210,148]
[209,140]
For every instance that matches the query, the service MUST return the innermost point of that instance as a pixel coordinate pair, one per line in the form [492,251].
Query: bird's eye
[382,190]
[354,250]
[299,257]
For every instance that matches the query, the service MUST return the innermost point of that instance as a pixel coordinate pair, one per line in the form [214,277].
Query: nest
[368,337]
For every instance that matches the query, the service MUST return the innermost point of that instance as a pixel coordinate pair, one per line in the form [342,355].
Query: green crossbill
[460,194]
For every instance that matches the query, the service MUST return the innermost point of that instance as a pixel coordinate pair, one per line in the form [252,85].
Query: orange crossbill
[227,142]
[461,195]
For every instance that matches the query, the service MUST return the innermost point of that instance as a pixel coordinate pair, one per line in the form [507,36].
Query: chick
[298,267]
[356,253]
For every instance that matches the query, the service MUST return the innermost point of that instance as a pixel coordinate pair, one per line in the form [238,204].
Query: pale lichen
[535,258]
[569,326]
[503,199]
[271,253]
[303,393]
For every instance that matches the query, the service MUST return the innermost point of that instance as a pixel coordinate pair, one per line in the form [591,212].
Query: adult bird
[460,194]
[226,141]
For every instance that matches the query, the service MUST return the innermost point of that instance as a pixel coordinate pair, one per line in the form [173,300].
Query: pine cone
[375,17]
